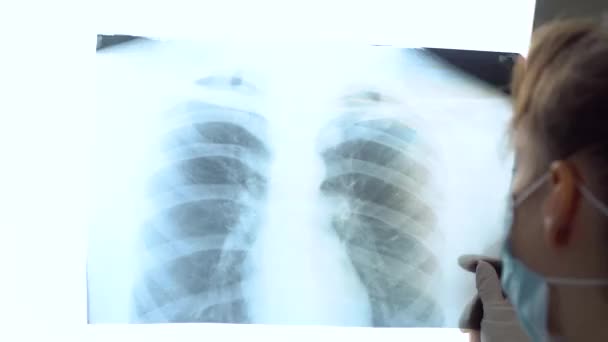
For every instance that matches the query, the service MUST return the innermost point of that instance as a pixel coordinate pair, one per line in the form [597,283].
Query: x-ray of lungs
[302,185]
[377,177]
[205,200]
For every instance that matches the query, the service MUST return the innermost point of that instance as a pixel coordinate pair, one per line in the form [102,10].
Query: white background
[47,124]
[491,25]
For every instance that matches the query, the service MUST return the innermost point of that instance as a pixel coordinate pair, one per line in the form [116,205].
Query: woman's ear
[560,206]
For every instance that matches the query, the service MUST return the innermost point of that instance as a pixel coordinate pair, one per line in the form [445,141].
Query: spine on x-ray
[203,200]
[376,175]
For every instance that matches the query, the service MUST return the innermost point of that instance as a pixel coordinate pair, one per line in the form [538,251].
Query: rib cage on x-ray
[377,175]
[269,199]
[204,200]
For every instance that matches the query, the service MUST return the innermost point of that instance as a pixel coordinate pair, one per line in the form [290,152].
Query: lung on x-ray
[294,184]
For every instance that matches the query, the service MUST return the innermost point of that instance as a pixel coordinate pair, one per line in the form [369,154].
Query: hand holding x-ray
[490,316]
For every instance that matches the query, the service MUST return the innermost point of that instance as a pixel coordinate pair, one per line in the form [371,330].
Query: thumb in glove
[500,322]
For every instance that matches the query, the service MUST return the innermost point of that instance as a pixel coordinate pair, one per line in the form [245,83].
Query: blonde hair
[560,92]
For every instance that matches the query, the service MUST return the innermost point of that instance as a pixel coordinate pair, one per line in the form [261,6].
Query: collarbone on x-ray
[304,212]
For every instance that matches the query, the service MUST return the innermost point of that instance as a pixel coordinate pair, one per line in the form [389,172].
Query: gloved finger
[488,283]
[471,316]
[475,336]
[469,262]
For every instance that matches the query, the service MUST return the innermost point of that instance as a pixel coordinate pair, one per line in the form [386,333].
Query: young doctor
[554,272]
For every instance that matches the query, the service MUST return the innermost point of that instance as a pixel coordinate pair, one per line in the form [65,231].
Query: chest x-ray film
[290,184]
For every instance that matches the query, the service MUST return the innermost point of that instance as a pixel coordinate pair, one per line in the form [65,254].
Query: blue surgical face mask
[527,290]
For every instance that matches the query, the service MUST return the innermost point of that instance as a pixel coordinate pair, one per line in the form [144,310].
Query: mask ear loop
[577,282]
[599,205]
[530,190]
[584,282]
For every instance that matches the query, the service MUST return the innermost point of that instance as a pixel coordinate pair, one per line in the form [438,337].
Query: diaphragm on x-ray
[294,184]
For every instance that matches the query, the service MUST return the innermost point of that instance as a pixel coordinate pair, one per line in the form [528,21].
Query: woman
[555,257]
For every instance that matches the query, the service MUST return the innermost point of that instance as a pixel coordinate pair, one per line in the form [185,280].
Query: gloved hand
[498,321]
